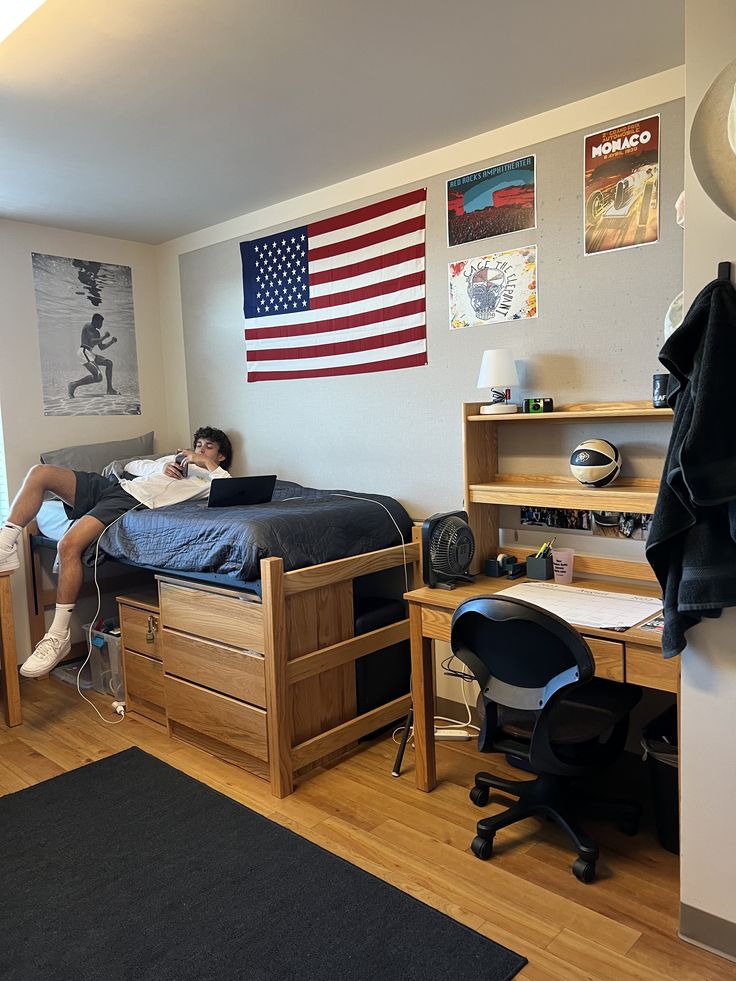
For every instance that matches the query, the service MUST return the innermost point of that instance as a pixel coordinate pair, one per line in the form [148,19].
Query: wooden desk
[634,655]
[11,685]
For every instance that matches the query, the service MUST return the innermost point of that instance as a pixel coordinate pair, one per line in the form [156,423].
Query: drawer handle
[151,628]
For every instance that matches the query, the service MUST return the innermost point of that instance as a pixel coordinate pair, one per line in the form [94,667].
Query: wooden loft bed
[267,683]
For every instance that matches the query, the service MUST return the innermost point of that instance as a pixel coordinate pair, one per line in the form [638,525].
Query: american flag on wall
[340,296]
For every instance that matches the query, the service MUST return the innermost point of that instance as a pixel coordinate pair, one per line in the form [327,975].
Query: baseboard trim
[710,932]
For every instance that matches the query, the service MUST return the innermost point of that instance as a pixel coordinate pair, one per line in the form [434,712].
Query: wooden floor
[621,927]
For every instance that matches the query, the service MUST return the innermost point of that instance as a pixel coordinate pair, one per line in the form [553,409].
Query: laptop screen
[240,491]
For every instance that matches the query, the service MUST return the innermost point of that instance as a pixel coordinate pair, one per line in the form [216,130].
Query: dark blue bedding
[302,525]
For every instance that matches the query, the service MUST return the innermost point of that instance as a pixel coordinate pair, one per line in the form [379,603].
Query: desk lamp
[498,372]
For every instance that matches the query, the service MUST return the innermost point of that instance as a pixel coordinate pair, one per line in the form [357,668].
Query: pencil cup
[562,559]
[539,568]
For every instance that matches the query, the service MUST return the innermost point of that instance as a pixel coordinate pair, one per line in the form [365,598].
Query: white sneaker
[9,560]
[49,651]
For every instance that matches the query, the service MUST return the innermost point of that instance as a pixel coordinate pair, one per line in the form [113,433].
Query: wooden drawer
[609,658]
[215,616]
[232,672]
[645,666]
[140,631]
[144,686]
[217,717]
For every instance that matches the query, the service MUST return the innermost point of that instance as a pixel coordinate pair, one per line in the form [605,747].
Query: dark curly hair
[222,440]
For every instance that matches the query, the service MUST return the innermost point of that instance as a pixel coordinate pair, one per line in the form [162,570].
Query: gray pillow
[117,467]
[96,456]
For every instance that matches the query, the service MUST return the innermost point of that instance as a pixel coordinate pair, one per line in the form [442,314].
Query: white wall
[597,335]
[708,697]
[27,431]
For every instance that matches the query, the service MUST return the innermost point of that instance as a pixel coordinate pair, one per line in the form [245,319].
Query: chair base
[557,799]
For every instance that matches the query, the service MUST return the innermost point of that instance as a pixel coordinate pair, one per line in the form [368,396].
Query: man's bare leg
[71,547]
[27,504]
[56,643]
[39,479]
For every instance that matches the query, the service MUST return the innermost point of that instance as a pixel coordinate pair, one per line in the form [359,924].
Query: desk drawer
[144,686]
[645,666]
[224,669]
[218,617]
[609,658]
[140,631]
[217,717]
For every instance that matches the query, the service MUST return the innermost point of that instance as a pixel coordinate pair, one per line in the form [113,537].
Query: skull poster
[493,289]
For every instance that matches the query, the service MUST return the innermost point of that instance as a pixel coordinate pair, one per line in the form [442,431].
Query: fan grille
[452,546]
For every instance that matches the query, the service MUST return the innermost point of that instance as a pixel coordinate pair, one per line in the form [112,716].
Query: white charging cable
[118,706]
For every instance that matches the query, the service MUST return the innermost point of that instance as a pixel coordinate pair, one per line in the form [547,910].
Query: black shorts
[101,497]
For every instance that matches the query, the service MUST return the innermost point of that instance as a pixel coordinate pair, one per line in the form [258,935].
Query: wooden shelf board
[590,410]
[562,492]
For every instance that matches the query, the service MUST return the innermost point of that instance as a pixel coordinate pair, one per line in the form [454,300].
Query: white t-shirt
[153,488]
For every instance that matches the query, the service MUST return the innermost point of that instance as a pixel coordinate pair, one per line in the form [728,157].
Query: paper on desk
[587,607]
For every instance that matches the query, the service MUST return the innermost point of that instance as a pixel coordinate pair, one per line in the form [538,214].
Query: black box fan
[448,546]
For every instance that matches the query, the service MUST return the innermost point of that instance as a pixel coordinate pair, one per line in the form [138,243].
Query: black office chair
[543,708]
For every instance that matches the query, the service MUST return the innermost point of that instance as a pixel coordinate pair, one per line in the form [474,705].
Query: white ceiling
[148,119]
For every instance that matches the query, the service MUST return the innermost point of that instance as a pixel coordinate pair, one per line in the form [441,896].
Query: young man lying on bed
[94,502]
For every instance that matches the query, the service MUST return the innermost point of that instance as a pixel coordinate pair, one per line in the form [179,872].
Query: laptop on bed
[238,491]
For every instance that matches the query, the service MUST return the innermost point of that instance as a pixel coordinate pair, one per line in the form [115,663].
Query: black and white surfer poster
[86,329]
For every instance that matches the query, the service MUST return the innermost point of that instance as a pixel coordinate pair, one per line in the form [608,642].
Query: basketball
[595,462]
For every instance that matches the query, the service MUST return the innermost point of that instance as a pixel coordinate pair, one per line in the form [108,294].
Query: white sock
[9,535]
[62,618]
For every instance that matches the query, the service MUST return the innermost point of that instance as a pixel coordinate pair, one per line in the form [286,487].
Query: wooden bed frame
[296,644]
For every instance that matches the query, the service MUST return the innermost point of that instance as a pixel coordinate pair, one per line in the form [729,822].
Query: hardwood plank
[25,761]
[602,963]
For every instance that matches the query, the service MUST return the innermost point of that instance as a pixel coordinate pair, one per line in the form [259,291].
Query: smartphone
[179,461]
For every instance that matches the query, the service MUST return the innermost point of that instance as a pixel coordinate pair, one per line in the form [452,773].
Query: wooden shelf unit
[486,489]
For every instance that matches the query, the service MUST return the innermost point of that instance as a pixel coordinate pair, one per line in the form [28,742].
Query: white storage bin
[106,663]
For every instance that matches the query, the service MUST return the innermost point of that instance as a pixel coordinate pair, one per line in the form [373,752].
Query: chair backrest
[520,654]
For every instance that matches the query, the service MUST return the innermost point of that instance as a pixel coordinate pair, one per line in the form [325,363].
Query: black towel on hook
[692,539]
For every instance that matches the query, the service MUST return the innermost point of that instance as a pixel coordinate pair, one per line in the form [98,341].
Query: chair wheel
[482,848]
[479,796]
[585,871]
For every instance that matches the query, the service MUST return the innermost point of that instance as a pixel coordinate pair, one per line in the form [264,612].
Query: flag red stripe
[339,347]
[366,292]
[338,323]
[370,238]
[368,212]
[410,361]
[368,265]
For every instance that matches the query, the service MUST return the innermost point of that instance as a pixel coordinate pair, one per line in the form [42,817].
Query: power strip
[455,734]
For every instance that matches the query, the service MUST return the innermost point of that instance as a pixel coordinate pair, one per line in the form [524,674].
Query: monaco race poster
[622,186]
[491,202]
[493,289]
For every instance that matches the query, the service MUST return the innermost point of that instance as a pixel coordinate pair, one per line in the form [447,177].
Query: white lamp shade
[497,369]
